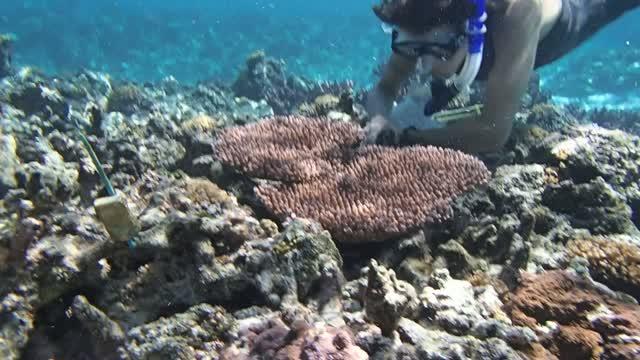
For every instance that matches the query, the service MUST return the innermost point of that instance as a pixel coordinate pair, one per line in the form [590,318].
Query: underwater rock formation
[36,98]
[6,52]
[451,319]
[127,99]
[583,154]
[550,117]
[266,78]
[197,245]
[106,334]
[16,326]
[9,162]
[579,182]
[497,225]
[387,299]
[192,334]
[217,253]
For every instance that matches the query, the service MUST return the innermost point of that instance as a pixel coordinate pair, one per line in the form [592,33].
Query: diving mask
[416,46]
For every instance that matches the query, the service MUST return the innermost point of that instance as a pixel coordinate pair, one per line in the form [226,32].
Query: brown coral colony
[285,148]
[371,194]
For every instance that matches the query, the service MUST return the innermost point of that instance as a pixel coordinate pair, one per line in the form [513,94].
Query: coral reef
[287,148]
[265,78]
[382,193]
[626,120]
[356,195]
[538,262]
[613,262]
[550,117]
[575,319]
[273,339]
[127,99]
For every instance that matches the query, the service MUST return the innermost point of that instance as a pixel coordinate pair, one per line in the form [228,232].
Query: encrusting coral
[199,123]
[202,192]
[615,263]
[578,320]
[368,194]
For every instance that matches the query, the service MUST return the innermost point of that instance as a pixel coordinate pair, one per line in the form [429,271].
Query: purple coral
[300,340]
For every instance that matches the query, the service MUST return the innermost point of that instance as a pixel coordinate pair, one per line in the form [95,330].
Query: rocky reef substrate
[542,262]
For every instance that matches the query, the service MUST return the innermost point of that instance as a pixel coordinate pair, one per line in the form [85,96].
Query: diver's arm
[395,72]
[380,99]
[506,84]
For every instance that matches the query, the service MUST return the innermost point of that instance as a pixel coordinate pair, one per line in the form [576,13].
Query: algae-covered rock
[9,163]
[182,336]
[6,53]
[105,335]
[595,206]
[307,253]
[16,322]
[127,99]
[39,98]
[387,299]
[495,226]
[51,180]
[550,117]
[584,153]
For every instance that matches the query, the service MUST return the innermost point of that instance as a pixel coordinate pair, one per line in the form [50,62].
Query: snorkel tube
[444,92]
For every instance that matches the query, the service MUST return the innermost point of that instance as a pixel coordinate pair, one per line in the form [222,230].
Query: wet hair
[422,15]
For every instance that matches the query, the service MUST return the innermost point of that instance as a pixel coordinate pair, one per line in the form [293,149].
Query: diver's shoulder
[506,7]
[533,5]
[530,8]
[504,4]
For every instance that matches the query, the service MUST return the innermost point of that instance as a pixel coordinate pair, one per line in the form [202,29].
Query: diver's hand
[380,130]
[373,129]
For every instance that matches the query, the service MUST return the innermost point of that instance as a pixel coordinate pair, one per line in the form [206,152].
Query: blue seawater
[147,40]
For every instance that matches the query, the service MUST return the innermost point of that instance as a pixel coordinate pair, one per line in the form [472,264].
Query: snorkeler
[459,41]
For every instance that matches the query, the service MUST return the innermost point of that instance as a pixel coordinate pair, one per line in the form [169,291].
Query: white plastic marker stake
[112,211]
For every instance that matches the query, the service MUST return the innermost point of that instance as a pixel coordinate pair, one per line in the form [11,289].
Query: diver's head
[419,16]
